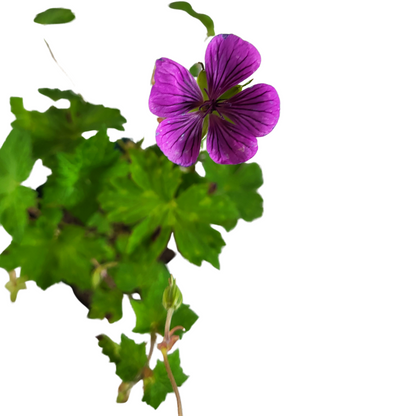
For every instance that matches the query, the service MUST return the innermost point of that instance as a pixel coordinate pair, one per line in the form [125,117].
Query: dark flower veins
[233,124]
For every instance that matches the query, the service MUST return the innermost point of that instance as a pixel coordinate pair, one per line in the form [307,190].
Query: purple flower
[233,123]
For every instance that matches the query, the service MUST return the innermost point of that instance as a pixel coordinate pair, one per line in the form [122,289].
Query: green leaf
[79,177]
[198,241]
[152,201]
[184,316]
[132,359]
[106,303]
[60,130]
[54,16]
[13,210]
[110,348]
[157,385]
[198,203]
[49,256]
[16,163]
[100,223]
[203,18]
[240,184]
[125,202]
[16,156]
[150,313]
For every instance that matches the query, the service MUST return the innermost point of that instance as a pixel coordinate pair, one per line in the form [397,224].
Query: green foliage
[106,303]
[49,256]
[156,385]
[203,18]
[54,16]
[110,348]
[132,366]
[16,163]
[79,177]
[103,220]
[60,130]
[149,310]
[240,184]
[130,358]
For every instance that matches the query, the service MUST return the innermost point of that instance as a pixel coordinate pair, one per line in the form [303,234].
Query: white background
[313,310]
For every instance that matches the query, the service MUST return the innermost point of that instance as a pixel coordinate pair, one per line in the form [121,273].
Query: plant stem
[172,381]
[167,324]
[152,345]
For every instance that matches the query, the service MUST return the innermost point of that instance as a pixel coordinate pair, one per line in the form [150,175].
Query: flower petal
[229,144]
[256,108]
[179,138]
[175,90]
[228,61]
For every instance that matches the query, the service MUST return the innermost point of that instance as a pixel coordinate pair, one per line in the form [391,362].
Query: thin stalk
[172,381]
[167,323]
[152,345]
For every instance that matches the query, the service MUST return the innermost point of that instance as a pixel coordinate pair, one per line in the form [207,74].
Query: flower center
[209,106]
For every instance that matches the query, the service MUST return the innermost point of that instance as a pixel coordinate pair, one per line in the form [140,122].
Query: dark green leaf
[150,313]
[106,303]
[110,348]
[198,204]
[198,241]
[132,359]
[16,163]
[60,130]
[16,160]
[240,184]
[100,223]
[157,385]
[49,256]
[125,202]
[203,18]
[79,177]
[185,317]
[54,16]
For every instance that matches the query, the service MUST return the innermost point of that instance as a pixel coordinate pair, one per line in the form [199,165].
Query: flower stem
[172,381]
[152,345]
[167,323]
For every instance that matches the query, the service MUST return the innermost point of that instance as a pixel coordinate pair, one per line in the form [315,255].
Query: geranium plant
[102,222]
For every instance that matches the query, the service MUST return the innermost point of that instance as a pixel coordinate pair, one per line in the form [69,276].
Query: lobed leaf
[132,359]
[49,256]
[240,183]
[60,130]
[79,177]
[106,303]
[157,385]
[16,163]
[110,348]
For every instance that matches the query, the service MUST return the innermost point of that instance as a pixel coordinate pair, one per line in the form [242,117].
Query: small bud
[124,392]
[196,69]
[172,296]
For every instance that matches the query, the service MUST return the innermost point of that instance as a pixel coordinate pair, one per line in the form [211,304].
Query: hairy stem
[167,324]
[172,380]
